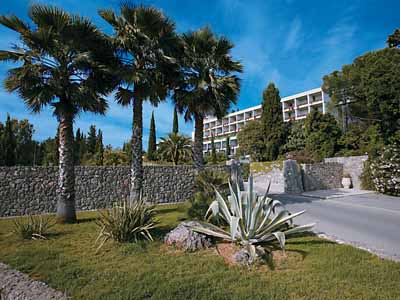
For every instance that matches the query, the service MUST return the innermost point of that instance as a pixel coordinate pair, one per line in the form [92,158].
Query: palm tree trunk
[198,142]
[66,178]
[137,149]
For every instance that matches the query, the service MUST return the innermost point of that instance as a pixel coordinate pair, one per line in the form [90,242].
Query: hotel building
[295,107]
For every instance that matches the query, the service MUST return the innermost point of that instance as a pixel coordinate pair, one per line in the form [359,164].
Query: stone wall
[352,165]
[33,190]
[322,176]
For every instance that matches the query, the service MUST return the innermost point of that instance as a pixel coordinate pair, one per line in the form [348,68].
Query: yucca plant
[126,222]
[33,227]
[251,219]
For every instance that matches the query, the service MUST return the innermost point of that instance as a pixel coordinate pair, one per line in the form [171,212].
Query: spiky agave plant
[251,219]
[126,222]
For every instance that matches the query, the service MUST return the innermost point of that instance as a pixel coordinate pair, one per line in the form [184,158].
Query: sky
[292,43]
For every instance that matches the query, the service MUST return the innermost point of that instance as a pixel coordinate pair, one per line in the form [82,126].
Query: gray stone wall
[33,190]
[322,176]
[353,165]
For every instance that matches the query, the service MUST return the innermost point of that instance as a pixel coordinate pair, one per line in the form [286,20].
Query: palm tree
[175,147]
[208,82]
[146,42]
[62,66]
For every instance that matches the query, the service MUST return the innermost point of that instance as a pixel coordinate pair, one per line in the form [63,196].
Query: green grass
[315,268]
[265,166]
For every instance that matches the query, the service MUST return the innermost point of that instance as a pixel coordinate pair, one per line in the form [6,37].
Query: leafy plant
[206,182]
[199,206]
[251,219]
[385,170]
[175,147]
[33,227]
[126,222]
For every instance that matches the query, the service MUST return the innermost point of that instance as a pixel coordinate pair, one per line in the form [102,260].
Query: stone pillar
[293,183]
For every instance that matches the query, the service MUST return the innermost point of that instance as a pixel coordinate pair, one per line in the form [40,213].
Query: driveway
[369,221]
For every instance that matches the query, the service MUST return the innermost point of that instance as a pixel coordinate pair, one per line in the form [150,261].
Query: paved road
[370,221]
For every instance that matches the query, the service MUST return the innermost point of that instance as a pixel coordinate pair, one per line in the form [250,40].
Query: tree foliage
[394,39]
[251,140]
[175,123]
[152,146]
[272,122]
[175,148]
[322,135]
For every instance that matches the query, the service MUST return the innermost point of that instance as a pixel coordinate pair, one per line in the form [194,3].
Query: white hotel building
[294,107]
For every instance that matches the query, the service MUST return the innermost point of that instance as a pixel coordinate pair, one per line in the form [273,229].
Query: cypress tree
[228,147]
[99,154]
[272,122]
[77,147]
[91,140]
[152,146]
[213,151]
[9,143]
[175,125]
[2,158]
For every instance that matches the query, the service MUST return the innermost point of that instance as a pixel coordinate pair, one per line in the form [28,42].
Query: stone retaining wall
[353,165]
[33,190]
[322,176]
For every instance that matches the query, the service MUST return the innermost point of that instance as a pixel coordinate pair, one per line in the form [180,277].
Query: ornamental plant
[252,220]
[385,170]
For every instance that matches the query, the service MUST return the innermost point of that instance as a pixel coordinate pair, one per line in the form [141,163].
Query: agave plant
[126,222]
[33,227]
[251,219]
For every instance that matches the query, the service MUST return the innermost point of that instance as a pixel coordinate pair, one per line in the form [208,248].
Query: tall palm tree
[61,65]
[175,147]
[209,84]
[146,42]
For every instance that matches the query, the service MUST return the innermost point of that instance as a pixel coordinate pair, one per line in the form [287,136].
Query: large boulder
[182,237]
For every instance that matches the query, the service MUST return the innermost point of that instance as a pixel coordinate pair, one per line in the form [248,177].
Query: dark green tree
[175,147]
[62,61]
[272,122]
[24,151]
[77,147]
[175,124]
[2,158]
[152,146]
[296,137]
[251,140]
[209,82]
[91,140]
[49,149]
[213,151]
[322,135]
[394,39]
[9,143]
[228,147]
[99,153]
[369,89]
[147,42]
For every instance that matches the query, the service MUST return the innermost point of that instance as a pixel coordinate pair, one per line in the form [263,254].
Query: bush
[33,227]
[206,182]
[126,222]
[301,156]
[367,182]
[199,205]
[385,170]
[245,171]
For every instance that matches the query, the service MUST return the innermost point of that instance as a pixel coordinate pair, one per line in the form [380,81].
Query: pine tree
[152,147]
[9,143]
[272,122]
[175,125]
[213,151]
[228,147]
[91,140]
[2,158]
[99,154]
[77,147]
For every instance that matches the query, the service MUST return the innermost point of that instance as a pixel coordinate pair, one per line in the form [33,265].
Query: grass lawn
[315,268]
[265,166]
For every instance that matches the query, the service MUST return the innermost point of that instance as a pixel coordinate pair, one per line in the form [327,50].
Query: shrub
[199,205]
[126,222]
[301,156]
[207,180]
[33,227]
[252,220]
[385,170]
[245,171]
[366,177]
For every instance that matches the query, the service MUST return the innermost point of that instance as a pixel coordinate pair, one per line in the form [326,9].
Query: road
[370,221]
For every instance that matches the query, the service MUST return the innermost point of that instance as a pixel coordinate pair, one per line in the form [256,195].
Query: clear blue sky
[292,43]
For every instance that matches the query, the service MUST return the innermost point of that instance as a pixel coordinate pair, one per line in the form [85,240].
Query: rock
[186,239]
[292,177]
[243,257]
